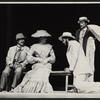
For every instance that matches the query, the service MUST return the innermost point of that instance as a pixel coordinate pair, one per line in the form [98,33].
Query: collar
[20,47]
[84,29]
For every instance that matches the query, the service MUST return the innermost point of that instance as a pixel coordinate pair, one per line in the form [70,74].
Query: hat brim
[21,38]
[40,36]
[84,20]
[61,37]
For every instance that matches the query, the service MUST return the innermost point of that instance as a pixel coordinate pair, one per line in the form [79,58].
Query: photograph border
[69,97]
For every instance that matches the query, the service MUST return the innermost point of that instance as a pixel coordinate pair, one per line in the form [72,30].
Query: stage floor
[57,94]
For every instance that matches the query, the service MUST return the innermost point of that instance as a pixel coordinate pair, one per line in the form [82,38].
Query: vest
[86,36]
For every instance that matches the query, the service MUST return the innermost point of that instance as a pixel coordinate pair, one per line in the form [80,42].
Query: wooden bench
[62,73]
[59,73]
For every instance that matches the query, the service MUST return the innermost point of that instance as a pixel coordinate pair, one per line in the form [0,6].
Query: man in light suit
[15,61]
[79,65]
[87,40]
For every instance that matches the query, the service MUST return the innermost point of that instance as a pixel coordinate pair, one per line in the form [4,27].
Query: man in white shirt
[15,61]
[87,40]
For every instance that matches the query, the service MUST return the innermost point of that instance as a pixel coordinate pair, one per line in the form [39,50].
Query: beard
[65,45]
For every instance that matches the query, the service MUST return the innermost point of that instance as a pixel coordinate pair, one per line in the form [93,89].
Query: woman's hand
[45,61]
[39,60]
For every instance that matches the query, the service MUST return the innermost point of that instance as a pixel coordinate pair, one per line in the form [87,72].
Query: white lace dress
[37,80]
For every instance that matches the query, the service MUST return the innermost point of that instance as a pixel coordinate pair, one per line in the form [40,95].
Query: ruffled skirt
[35,81]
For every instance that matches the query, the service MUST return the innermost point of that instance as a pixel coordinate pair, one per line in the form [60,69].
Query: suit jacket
[77,59]
[11,54]
[88,46]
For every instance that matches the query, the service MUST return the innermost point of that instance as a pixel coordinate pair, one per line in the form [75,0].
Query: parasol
[95,29]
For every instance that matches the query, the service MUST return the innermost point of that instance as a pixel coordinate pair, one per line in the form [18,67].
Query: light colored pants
[84,85]
[6,73]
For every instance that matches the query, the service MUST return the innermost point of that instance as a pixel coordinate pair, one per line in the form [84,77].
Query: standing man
[87,40]
[15,61]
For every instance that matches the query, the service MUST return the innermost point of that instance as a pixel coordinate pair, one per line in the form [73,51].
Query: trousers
[6,73]
[84,85]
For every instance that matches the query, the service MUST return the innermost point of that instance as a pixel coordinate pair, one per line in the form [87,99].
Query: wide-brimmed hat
[66,35]
[20,36]
[83,19]
[41,33]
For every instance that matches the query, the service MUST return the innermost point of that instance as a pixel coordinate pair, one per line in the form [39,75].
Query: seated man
[15,61]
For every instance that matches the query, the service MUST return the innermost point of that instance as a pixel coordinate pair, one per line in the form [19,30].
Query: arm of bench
[60,73]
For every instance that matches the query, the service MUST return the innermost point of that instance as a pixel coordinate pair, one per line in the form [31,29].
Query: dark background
[55,18]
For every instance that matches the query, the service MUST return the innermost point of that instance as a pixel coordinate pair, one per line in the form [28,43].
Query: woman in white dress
[41,56]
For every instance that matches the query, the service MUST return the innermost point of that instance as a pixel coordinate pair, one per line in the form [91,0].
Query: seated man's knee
[18,71]
[5,72]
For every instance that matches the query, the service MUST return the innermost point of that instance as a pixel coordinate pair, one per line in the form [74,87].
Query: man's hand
[10,65]
[16,65]
[68,70]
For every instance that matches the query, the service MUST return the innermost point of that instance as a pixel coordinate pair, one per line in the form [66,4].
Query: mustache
[22,42]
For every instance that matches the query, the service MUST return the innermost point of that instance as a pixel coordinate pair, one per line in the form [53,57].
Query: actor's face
[43,40]
[65,41]
[21,42]
[83,24]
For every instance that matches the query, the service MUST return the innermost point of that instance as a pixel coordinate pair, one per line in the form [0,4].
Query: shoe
[74,90]
[12,88]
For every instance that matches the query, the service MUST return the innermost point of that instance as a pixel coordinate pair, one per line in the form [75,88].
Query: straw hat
[83,19]
[41,33]
[20,36]
[66,35]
